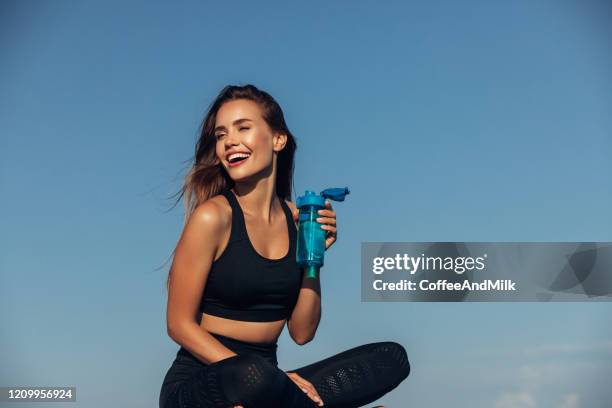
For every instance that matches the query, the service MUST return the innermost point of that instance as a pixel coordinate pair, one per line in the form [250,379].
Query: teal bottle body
[310,251]
[311,240]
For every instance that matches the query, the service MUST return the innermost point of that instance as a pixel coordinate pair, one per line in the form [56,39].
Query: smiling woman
[234,282]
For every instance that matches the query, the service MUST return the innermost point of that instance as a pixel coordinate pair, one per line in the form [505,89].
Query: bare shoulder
[215,214]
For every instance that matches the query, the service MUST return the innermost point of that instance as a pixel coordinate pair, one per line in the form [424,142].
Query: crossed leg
[348,379]
[359,375]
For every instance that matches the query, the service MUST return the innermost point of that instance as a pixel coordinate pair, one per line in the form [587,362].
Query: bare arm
[306,315]
[193,258]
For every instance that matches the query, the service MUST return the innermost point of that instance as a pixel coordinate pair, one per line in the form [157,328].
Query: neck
[258,199]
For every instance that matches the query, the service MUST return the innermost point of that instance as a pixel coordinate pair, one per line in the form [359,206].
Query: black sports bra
[244,285]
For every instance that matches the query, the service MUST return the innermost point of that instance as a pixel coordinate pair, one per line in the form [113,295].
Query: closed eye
[219,135]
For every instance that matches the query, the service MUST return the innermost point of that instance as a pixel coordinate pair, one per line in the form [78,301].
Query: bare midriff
[256,332]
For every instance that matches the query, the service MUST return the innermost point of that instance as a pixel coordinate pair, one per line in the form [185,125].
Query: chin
[239,176]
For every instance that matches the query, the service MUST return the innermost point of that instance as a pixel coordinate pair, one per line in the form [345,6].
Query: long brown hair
[207,177]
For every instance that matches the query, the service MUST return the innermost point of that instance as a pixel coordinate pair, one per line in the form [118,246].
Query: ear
[279,140]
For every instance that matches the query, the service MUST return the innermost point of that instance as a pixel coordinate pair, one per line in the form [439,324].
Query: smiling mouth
[236,161]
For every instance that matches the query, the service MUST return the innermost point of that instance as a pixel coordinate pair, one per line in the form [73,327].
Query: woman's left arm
[306,314]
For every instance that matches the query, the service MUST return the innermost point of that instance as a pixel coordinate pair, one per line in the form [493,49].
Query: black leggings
[252,379]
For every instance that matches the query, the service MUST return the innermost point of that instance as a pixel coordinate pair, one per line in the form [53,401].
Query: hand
[307,387]
[327,217]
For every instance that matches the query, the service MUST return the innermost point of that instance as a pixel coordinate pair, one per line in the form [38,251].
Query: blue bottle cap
[336,194]
[312,198]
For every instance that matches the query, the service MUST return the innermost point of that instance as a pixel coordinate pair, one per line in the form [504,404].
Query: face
[240,128]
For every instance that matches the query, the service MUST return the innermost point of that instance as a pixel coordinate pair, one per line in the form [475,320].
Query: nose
[231,139]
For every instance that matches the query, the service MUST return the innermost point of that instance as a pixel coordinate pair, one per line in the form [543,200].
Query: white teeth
[235,155]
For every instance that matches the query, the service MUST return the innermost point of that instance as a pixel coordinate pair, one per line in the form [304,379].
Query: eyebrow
[236,122]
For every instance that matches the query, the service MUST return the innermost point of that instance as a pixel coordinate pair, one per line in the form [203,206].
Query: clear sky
[449,121]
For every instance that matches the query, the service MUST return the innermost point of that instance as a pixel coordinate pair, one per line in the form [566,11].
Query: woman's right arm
[193,258]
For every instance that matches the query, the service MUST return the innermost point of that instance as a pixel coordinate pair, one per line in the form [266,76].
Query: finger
[329,242]
[328,213]
[330,229]
[298,381]
[296,214]
[316,399]
[331,238]
[312,393]
[304,385]
[307,387]
[325,220]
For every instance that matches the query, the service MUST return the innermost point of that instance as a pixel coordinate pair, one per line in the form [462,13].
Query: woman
[234,282]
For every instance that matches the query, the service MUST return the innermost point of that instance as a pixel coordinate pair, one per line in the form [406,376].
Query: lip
[230,152]
[237,164]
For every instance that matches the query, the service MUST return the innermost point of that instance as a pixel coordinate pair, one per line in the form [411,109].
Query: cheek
[259,143]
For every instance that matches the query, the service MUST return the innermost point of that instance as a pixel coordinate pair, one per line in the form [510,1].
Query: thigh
[359,375]
[181,371]
[193,384]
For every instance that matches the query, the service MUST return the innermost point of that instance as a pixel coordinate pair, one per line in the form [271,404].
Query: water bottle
[311,237]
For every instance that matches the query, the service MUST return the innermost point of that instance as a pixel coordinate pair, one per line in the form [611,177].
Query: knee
[250,379]
[256,370]
[396,356]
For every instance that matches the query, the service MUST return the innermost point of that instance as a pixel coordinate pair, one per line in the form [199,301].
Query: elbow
[302,340]
[175,330]
[172,332]
[301,336]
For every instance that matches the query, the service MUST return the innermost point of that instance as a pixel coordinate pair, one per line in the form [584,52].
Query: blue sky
[449,121]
